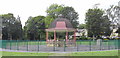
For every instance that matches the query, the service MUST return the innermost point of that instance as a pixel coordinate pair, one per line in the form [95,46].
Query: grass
[93,53]
[4,53]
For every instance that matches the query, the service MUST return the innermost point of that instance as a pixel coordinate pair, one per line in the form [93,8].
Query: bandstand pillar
[47,36]
[54,35]
[66,36]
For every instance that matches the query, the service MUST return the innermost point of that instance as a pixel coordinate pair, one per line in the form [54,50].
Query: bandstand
[60,24]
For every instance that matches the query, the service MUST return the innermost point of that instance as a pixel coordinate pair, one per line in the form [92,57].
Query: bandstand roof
[60,25]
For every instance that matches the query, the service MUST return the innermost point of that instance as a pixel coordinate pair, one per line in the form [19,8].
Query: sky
[26,8]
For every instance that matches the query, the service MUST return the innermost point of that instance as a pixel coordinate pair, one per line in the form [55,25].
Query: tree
[113,14]
[54,10]
[67,12]
[97,22]
[35,28]
[82,26]
[48,21]
[11,27]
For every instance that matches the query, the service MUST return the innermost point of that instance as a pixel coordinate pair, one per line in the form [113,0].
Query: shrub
[105,40]
[83,38]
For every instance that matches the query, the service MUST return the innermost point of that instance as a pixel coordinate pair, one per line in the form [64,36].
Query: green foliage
[84,38]
[71,14]
[97,23]
[82,26]
[54,10]
[48,21]
[113,14]
[68,12]
[118,30]
[35,28]
[11,27]
[105,39]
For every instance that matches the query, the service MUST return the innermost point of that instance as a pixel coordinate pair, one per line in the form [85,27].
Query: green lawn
[4,53]
[94,53]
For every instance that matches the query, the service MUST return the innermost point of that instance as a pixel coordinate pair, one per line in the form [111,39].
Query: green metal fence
[81,45]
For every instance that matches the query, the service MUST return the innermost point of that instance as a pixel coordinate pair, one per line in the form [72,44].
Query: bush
[106,39]
[83,38]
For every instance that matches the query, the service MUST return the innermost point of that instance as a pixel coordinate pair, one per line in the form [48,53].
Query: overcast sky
[26,8]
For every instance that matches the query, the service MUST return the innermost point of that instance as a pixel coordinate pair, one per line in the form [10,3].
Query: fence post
[77,45]
[64,45]
[80,44]
[53,45]
[5,44]
[17,45]
[90,45]
[27,44]
[115,44]
[10,44]
[38,45]
[100,44]
[108,45]
[118,44]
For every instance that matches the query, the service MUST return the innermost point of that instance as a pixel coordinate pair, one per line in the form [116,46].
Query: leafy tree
[114,15]
[11,27]
[35,28]
[68,12]
[54,10]
[48,21]
[82,26]
[0,25]
[97,22]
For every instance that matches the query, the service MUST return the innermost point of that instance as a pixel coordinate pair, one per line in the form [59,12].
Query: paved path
[57,53]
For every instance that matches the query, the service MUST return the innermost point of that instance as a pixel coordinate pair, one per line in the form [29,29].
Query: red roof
[60,25]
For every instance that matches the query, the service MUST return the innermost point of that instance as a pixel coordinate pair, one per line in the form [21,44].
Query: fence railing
[81,45]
